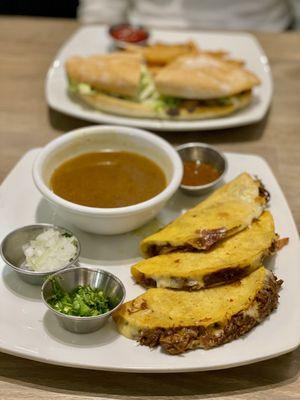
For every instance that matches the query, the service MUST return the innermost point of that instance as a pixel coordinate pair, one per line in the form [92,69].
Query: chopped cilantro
[67,235]
[82,301]
[224,101]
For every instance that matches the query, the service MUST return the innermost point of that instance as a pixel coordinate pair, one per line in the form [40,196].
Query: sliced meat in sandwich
[180,320]
[229,210]
[230,260]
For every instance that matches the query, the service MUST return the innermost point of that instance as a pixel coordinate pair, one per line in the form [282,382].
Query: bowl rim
[68,137]
[204,146]
[75,317]
[36,273]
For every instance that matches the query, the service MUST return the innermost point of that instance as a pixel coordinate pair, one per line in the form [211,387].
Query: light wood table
[27,49]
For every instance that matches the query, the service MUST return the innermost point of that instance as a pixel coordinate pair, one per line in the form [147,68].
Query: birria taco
[180,320]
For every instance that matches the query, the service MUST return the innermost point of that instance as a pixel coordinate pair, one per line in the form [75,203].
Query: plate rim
[151,370]
[162,125]
[292,345]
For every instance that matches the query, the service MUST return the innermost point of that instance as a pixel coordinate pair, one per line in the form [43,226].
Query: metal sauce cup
[11,251]
[69,279]
[207,154]
[122,43]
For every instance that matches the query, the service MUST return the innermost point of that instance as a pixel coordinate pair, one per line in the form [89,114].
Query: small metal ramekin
[111,286]
[204,153]
[121,44]
[12,253]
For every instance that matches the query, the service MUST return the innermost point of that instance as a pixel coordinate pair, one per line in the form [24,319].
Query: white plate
[94,39]
[29,330]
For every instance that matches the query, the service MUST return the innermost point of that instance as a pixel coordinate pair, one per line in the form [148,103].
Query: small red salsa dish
[129,33]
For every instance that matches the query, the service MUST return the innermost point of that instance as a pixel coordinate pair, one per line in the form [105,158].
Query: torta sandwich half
[120,83]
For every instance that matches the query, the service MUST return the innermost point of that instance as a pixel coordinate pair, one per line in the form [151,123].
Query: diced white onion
[49,251]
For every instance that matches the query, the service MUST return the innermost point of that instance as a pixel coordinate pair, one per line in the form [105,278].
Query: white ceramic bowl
[96,138]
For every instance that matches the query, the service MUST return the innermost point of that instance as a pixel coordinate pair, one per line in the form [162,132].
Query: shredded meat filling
[173,111]
[278,244]
[180,339]
[147,282]
[206,238]
[263,192]
[225,275]
[155,250]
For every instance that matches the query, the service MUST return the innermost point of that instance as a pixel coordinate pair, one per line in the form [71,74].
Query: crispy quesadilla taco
[120,83]
[230,260]
[229,210]
[180,320]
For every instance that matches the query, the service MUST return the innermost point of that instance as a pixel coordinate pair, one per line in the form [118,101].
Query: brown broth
[108,179]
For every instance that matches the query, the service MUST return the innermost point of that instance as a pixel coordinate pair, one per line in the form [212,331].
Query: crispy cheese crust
[229,210]
[230,260]
[179,321]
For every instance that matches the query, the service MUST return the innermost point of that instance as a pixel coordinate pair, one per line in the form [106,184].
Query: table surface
[27,49]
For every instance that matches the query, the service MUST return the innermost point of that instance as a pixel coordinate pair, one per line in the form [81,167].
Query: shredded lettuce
[82,88]
[147,93]
[164,103]
[224,101]
[147,90]
[73,86]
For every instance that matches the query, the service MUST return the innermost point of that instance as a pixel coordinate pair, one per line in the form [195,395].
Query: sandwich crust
[186,111]
[179,321]
[117,73]
[114,105]
[204,76]
[229,210]
[230,260]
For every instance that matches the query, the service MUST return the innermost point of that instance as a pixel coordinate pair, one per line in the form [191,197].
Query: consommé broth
[108,179]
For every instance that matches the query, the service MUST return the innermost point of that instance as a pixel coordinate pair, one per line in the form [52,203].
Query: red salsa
[197,173]
[129,33]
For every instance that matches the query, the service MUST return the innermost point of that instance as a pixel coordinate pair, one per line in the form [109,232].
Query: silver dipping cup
[121,44]
[207,154]
[69,279]
[12,253]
